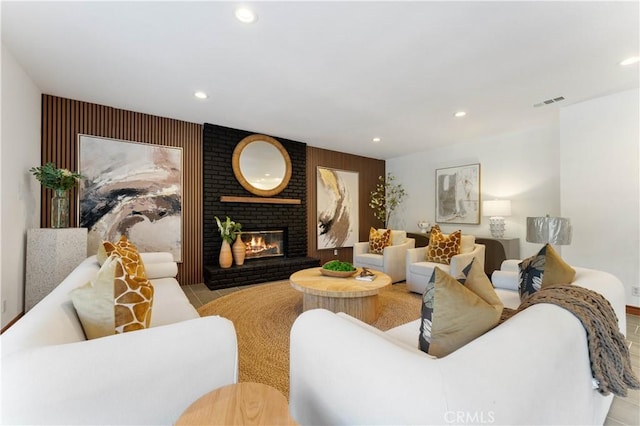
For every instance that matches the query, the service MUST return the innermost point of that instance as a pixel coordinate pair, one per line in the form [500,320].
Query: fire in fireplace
[259,244]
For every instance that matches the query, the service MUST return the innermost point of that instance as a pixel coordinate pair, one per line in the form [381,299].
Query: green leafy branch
[386,198]
[54,178]
[228,229]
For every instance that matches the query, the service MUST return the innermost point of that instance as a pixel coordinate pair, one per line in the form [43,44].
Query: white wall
[600,185]
[522,167]
[20,209]
[584,167]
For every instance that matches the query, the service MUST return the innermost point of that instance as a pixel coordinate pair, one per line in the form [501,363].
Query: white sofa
[532,369]
[418,270]
[391,261]
[52,375]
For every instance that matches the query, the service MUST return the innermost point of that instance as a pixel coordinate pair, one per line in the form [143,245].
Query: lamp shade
[496,208]
[554,230]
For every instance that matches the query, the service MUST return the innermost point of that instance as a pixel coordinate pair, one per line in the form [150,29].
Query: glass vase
[60,209]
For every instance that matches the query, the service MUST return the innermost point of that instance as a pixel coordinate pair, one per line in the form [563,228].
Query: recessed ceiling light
[460,114]
[376,140]
[246,15]
[200,95]
[630,61]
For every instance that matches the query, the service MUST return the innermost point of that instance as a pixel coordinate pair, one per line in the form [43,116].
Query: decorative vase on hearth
[226,258]
[239,251]
[60,209]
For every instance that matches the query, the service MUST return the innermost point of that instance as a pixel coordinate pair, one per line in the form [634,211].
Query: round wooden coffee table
[356,298]
[239,404]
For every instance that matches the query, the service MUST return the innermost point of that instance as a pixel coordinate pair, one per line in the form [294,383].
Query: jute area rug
[263,316]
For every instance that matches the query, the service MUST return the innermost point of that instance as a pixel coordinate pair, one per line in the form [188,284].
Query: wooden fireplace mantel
[262,200]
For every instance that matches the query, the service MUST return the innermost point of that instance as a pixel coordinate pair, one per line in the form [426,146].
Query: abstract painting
[133,189]
[337,208]
[458,194]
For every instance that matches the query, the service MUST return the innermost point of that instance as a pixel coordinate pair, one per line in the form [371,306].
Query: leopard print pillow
[443,247]
[378,240]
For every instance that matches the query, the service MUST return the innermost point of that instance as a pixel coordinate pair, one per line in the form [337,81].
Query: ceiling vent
[549,101]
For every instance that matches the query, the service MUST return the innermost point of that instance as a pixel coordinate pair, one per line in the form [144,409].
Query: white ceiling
[332,74]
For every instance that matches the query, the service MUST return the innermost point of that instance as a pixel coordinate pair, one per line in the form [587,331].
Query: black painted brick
[256,271]
[218,180]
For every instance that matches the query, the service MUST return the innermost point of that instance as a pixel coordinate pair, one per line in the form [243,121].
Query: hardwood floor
[624,411]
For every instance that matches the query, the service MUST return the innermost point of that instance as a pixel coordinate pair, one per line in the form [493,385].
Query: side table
[511,246]
[239,404]
[52,253]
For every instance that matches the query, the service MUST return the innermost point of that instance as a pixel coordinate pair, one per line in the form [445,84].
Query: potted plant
[228,231]
[386,198]
[60,181]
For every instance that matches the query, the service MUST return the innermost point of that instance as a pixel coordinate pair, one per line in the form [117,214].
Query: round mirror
[262,165]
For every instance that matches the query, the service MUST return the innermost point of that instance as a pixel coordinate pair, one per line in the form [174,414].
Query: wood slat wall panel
[368,168]
[62,121]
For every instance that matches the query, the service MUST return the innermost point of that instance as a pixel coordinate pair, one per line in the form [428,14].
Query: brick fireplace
[264,243]
[219,181]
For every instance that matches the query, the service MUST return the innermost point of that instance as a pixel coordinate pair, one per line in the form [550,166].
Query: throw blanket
[608,351]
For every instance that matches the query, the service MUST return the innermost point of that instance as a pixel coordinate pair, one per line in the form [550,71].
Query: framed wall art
[337,208]
[133,189]
[458,194]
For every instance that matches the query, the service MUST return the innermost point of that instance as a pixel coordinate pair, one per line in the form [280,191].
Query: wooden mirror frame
[237,152]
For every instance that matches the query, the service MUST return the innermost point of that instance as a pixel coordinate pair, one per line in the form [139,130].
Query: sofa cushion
[127,251]
[367,260]
[543,269]
[170,303]
[443,247]
[426,268]
[378,240]
[455,312]
[114,302]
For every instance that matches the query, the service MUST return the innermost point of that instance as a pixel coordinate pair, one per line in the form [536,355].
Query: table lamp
[496,210]
[553,230]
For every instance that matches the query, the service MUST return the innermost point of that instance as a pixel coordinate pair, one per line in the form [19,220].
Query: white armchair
[391,261]
[418,270]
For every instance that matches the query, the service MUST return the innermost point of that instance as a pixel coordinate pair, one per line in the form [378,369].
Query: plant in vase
[229,230]
[386,198]
[60,181]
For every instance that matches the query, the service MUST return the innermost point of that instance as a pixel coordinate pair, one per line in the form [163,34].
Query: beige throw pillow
[455,312]
[114,302]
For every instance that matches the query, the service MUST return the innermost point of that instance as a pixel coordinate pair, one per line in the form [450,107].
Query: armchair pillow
[378,240]
[543,269]
[115,302]
[455,312]
[443,247]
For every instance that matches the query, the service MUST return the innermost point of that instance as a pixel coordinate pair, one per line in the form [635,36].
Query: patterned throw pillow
[127,251]
[455,312]
[544,269]
[443,247]
[378,240]
[114,302]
